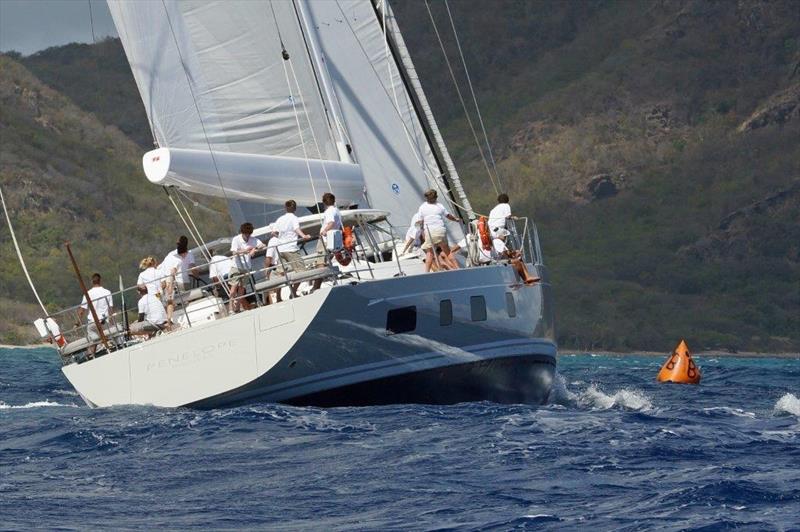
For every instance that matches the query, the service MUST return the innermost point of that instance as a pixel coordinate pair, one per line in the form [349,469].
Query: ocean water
[613,449]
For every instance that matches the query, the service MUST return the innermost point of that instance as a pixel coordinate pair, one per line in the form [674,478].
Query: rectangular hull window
[477,306]
[445,312]
[401,320]
[511,306]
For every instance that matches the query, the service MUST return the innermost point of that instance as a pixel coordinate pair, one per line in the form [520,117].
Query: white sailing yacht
[258,102]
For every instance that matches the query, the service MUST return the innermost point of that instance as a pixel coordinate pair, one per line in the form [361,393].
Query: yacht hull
[332,348]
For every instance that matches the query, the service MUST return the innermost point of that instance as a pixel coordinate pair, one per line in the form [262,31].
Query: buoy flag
[680,367]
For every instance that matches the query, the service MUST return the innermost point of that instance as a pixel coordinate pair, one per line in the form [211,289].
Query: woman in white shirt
[432,216]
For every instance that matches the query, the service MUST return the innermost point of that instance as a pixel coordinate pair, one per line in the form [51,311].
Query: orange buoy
[680,367]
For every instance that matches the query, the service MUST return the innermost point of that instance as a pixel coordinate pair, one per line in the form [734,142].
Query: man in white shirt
[169,269]
[432,216]
[499,248]
[219,268]
[500,213]
[188,266]
[103,306]
[331,221]
[150,277]
[243,247]
[152,316]
[288,229]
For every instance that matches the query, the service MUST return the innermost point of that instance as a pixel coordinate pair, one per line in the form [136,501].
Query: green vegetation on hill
[655,143]
[68,177]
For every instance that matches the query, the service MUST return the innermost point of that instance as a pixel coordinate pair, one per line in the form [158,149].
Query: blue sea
[612,450]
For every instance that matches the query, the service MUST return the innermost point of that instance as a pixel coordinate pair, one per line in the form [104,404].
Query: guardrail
[207,299]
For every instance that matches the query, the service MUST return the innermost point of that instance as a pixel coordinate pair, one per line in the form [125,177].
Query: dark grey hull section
[518,379]
[346,357]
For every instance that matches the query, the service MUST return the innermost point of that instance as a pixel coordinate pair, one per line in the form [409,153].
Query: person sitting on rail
[500,250]
[170,267]
[432,216]
[152,317]
[413,235]
[150,276]
[243,247]
[288,229]
[331,221]
[500,213]
[103,305]
[219,268]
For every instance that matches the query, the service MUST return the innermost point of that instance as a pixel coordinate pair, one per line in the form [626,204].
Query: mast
[447,170]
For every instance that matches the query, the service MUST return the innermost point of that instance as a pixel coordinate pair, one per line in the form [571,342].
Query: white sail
[386,135]
[212,76]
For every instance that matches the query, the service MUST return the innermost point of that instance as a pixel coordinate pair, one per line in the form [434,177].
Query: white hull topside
[331,348]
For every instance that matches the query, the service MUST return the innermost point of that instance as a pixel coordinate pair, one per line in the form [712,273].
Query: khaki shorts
[434,236]
[293,261]
[236,277]
[144,327]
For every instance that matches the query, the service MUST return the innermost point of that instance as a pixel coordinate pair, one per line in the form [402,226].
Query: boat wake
[34,404]
[788,405]
[593,398]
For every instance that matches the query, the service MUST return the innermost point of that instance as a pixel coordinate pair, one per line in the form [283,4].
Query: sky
[28,26]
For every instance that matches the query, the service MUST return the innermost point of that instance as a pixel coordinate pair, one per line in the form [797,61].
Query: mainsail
[213,78]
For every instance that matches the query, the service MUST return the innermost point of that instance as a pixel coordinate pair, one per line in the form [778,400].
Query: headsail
[382,123]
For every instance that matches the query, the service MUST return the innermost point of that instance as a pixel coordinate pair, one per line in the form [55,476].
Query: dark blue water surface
[613,449]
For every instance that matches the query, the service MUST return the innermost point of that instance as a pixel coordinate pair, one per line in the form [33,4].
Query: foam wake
[595,399]
[35,404]
[789,404]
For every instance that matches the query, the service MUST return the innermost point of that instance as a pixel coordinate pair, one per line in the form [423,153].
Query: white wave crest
[624,398]
[35,404]
[788,404]
[594,398]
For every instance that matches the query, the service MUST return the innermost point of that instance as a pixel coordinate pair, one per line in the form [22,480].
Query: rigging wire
[91,21]
[472,92]
[286,58]
[461,99]
[196,105]
[19,254]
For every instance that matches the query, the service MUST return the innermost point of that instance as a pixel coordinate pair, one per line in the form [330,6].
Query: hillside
[655,145]
[68,177]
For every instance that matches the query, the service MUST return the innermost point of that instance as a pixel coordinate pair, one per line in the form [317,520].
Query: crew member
[432,216]
[288,229]
[169,269]
[150,277]
[243,247]
[103,305]
[331,221]
[500,213]
[152,317]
